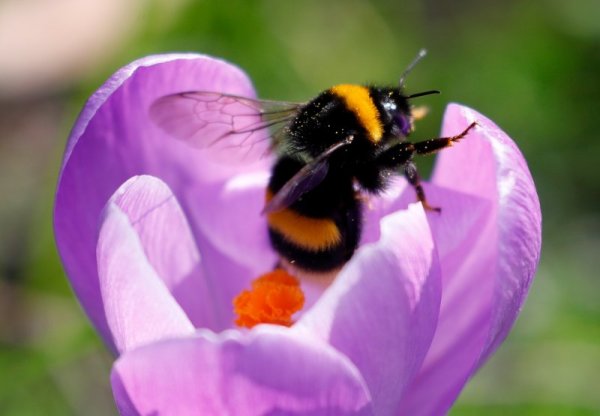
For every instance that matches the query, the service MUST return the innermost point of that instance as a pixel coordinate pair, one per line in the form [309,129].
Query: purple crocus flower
[157,240]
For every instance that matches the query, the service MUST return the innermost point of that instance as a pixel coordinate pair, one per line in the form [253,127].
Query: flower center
[273,299]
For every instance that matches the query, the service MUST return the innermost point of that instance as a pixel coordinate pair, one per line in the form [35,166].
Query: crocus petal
[487,273]
[233,238]
[519,219]
[114,139]
[168,244]
[138,304]
[268,370]
[397,197]
[382,309]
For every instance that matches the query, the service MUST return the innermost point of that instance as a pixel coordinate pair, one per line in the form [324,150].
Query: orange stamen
[273,299]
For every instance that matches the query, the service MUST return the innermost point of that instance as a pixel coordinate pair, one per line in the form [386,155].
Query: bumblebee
[347,140]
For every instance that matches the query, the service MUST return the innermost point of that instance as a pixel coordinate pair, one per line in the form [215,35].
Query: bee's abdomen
[320,231]
[323,245]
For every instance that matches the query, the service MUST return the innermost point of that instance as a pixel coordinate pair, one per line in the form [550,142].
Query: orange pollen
[273,299]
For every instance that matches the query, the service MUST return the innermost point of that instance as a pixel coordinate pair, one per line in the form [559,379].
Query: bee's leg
[433,145]
[412,175]
[424,148]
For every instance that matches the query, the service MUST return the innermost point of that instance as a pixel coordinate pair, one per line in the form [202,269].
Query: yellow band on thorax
[359,101]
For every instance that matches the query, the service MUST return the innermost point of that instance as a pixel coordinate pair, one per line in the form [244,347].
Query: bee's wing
[306,179]
[234,127]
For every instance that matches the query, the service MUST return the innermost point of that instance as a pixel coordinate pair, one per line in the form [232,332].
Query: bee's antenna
[409,68]
[420,94]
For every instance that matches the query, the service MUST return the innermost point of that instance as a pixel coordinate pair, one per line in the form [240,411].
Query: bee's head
[399,113]
[395,114]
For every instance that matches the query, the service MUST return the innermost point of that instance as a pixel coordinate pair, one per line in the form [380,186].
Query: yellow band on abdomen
[314,234]
[359,101]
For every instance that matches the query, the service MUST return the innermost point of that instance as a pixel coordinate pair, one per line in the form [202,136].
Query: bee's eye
[403,122]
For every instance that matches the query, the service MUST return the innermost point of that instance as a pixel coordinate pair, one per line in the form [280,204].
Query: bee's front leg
[427,147]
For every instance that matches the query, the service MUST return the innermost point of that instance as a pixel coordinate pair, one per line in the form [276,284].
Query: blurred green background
[533,67]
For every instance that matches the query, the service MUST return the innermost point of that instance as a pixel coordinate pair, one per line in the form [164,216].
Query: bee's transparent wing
[306,179]
[235,128]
